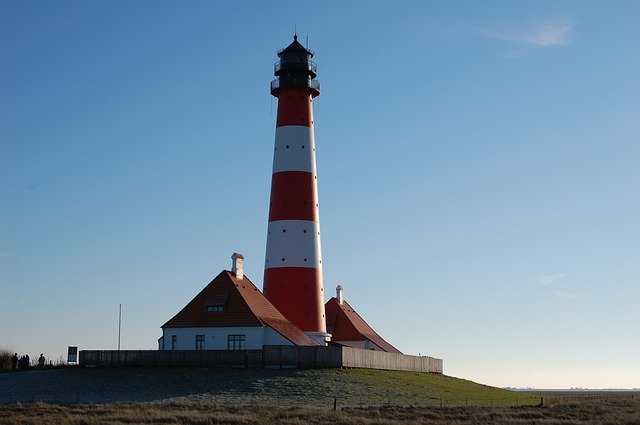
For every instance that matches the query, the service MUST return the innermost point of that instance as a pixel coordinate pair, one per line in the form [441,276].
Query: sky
[478,173]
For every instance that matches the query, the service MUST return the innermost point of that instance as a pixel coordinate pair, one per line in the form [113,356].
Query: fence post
[335,403]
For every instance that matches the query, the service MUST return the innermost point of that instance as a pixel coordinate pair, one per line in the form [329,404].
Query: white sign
[72,355]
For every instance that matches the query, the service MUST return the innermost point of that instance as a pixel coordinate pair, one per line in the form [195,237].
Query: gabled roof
[344,324]
[244,305]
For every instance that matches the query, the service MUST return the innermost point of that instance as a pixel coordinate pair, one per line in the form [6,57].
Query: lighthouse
[293,263]
[230,312]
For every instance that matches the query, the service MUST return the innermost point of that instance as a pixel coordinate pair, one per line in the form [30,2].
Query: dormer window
[214,308]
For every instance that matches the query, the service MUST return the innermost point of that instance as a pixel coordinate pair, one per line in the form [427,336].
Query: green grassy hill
[288,387]
[431,389]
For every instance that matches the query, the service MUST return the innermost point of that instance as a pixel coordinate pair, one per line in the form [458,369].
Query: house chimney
[339,290]
[237,268]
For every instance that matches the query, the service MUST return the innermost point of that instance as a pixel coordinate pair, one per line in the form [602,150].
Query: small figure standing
[14,361]
[41,360]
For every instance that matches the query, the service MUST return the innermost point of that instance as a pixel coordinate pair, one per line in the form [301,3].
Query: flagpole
[119,324]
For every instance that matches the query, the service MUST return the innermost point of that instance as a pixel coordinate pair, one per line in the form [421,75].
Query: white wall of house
[217,338]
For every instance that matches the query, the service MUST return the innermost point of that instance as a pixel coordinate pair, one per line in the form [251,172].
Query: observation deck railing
[312,84]
[306,65]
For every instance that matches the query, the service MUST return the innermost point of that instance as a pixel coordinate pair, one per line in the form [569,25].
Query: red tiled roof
[344,324]
[244,305]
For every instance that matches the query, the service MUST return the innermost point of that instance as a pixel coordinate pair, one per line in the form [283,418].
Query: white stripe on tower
[295,149]
[291,243]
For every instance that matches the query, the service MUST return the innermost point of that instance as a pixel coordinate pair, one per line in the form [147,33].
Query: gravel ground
[181,385]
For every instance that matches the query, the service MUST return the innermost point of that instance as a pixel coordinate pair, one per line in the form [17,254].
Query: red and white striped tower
[293,266]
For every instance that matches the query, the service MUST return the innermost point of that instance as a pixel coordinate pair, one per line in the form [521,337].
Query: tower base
[322,337]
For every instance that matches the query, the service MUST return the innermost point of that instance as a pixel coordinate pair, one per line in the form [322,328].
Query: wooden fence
[271,356]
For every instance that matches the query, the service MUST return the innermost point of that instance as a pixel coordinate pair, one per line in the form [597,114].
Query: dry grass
[612,409]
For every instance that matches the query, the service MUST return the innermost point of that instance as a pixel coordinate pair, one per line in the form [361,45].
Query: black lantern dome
[295,70]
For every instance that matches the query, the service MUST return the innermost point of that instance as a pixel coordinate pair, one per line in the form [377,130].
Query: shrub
[5,359]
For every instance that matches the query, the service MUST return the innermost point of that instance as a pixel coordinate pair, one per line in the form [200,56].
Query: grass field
[251,396]
[282,387]
[613,409]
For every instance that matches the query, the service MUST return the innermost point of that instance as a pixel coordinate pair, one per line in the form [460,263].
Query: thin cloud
[549,34]
[550,279]
[565,295]
[537,34]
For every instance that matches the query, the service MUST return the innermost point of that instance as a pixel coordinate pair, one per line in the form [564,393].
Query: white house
[230,313]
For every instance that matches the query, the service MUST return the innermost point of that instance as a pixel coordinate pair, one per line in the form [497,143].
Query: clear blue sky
[478,162]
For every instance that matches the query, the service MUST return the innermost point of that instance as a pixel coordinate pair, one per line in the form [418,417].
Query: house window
[174,342]
[215,308]
[235,342]
[199,342]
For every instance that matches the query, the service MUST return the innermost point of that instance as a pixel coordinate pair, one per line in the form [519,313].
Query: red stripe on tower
[293,265]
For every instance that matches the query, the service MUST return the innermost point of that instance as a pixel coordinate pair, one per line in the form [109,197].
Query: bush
[5,359]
